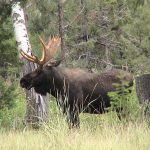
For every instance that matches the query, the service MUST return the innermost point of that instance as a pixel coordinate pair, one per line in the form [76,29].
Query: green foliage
[12,106]
[9,64]
[44,20]
[110,25]
[8,103]
[8,49]
[7,93]
[124,99]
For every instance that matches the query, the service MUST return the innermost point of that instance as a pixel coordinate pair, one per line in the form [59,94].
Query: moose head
[39,77]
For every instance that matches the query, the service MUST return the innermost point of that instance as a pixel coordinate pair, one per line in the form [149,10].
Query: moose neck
[57,81]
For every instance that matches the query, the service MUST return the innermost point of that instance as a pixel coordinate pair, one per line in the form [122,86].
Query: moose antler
[48,51]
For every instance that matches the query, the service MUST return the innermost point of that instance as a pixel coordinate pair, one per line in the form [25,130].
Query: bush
[12,106]
[7,94]
[125,100]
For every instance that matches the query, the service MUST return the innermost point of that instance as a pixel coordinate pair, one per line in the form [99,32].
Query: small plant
[11,105]
[124,101]
[7,94]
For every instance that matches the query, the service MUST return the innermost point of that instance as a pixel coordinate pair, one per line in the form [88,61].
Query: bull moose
[75,90]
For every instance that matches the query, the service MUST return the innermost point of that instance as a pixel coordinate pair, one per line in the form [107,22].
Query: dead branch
[75,18]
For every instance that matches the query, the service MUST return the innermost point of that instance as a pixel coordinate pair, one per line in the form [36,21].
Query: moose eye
[36,73]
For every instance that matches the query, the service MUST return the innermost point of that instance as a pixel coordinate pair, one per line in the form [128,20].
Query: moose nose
[23,83]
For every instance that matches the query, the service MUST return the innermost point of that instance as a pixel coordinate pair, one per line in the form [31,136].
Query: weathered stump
[143,92]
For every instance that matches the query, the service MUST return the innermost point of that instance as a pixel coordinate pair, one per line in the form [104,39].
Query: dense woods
[95,35]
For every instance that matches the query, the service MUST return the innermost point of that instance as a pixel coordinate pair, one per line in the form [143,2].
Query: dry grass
[105,137]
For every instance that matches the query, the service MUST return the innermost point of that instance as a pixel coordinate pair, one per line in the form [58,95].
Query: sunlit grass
[127,136]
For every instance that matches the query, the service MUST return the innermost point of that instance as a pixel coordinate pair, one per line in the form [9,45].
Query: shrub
[125,99]
[7,94]
[12,106]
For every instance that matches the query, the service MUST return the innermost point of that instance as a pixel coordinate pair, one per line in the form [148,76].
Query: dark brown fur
[76,90]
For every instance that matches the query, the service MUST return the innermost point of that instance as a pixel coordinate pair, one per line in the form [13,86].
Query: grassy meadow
[97,132]
[103,137]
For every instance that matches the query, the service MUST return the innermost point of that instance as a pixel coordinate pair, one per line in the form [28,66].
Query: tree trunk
[84,21]
[61,27]
[143,92]
[143,88]
[37,106]
[109,66]
[84,30]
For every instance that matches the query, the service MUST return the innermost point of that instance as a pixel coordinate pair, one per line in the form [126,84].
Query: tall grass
[97,132]
[105,137]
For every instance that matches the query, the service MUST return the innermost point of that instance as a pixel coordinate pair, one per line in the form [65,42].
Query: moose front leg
[73,117]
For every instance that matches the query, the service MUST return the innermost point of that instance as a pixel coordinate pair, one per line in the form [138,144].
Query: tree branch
[75,18]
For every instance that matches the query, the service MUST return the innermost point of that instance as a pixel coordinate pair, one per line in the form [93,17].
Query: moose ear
[54,63]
